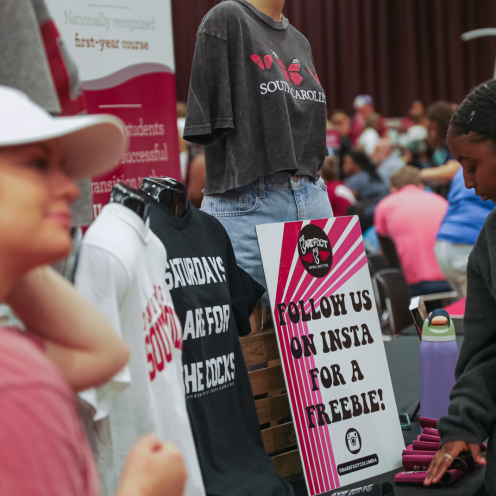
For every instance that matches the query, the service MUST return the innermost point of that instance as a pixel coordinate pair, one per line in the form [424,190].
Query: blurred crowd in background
[398,175]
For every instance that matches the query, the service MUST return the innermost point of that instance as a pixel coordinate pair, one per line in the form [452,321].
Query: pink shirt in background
[43,448]
[412,218]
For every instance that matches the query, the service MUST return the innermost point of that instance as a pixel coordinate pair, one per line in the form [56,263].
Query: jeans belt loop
[261,186]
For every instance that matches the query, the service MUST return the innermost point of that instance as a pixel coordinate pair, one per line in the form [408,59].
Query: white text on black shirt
[194,271]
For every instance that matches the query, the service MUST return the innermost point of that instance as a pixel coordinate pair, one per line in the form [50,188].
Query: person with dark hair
[439,115]
[443,164]
[341,123]
[365,184]
[357,162]
[467,211]
[416,116]
[472,413]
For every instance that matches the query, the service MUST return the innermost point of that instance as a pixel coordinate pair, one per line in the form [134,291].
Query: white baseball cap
[91,144]
[414,133]
[362,100]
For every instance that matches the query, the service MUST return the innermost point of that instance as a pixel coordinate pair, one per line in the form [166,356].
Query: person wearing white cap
[70,346]
[364,106]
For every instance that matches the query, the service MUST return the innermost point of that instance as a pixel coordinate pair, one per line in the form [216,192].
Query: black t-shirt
[254,98]
[213,298]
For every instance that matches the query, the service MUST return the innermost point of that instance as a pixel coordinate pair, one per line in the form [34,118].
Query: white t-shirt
[368,139]
[344,192]
[121,270]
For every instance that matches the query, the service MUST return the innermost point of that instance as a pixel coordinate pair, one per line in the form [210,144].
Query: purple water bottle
[438,357]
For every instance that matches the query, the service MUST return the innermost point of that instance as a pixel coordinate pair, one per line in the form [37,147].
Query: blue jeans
[270,199]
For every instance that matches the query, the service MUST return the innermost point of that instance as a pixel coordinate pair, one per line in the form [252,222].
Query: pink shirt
[43,448]
[411,218]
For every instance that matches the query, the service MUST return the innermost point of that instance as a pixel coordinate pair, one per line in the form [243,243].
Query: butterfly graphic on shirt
[313,256]
[292,72]
[314,76]
[265,63]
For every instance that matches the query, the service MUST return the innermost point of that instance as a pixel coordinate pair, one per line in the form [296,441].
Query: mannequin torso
[169,192]
[131,198]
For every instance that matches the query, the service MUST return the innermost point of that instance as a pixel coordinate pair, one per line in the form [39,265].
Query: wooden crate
[271,401]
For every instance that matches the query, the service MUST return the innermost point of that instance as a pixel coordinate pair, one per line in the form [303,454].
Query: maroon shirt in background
[43,448]
[339,203]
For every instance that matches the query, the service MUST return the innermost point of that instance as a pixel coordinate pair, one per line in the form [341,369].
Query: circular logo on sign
[315,250]
[353,441]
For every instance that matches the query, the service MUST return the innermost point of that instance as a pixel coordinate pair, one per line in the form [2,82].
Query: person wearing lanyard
[472,412]
[256,102]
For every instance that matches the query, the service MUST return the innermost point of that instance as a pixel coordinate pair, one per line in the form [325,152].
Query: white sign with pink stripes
[332,351]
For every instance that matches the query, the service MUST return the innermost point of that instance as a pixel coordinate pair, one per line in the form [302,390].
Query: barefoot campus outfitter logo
[315,250]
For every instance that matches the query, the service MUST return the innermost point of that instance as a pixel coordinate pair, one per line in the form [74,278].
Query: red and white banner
[332,351]
[124,53]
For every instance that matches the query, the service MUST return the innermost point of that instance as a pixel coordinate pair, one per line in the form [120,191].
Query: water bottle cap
[438,327]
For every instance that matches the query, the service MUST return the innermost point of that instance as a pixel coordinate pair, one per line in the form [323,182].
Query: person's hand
[441,462]
[79,340]
[443,174]
[153,468]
